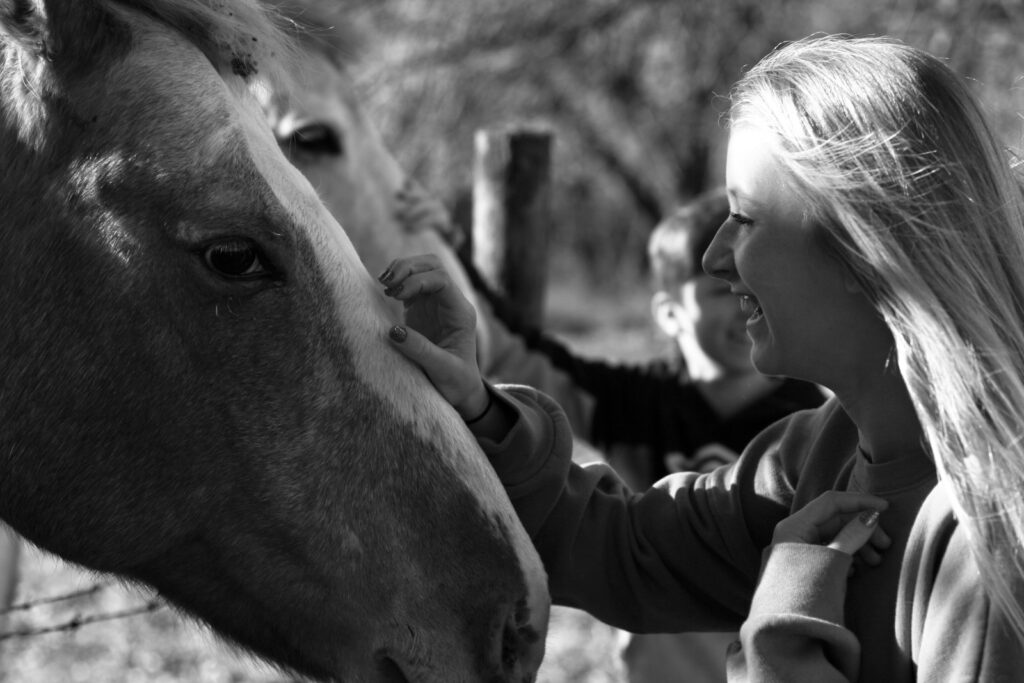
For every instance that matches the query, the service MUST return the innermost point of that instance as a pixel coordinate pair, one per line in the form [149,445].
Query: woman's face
[806,317]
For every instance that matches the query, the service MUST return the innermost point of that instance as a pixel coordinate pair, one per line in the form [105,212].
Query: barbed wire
[32,604]
[78,620]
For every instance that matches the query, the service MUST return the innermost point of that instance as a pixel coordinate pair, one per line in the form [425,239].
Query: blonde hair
[893,158]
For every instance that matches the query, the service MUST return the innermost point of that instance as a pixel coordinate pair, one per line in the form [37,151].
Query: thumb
[450,376]
[856,533]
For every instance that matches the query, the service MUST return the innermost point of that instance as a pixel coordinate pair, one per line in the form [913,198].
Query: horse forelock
[237,36]
[48,49]
[242,37]
[323,26]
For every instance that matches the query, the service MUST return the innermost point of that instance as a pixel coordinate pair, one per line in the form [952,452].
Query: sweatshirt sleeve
[607,403]
[682,555]
[511,358]
[795,629]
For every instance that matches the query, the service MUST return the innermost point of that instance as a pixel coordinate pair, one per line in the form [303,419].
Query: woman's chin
[766,363]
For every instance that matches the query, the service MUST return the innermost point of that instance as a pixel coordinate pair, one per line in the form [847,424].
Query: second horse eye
[317,139]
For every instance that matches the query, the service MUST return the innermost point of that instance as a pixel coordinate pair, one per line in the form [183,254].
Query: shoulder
[806,449]
[944,616]
[936,540]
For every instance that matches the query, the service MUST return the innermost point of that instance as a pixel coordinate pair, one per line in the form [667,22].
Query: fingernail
[869,517]
[398,333]
[391,291]
[384,277]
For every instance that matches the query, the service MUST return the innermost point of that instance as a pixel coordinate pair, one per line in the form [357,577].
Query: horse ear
[25,22]
[67,33]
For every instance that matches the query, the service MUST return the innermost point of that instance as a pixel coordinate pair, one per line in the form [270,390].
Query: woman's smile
[749,305]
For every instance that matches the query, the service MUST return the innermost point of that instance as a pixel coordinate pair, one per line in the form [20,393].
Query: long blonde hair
[892,156]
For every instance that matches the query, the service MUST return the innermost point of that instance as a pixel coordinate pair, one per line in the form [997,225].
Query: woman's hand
[440,330]
[843,520]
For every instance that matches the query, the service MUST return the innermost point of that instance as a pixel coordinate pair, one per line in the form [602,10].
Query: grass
[162,647]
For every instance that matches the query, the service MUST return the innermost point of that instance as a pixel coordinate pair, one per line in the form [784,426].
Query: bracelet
[487,409]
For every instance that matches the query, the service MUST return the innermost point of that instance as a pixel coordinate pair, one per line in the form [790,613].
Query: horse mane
[244,37]
[241,36]
[324,27]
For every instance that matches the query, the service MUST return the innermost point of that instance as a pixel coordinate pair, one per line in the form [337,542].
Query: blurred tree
[634,91]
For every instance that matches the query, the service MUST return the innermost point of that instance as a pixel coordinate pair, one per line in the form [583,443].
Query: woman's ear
[667,314]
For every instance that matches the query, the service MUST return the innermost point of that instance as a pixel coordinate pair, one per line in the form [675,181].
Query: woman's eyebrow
[736,196]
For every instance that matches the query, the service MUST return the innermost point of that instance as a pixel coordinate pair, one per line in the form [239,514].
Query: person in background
[700,408]
[875,241]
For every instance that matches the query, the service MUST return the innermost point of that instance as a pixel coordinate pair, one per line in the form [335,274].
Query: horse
[324,130]
[196,394]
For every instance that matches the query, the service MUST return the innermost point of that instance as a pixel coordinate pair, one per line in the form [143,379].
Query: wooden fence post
[512,216]
[10,552]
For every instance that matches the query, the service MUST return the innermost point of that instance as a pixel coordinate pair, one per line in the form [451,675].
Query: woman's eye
[318,139]
[235,258]
[740,218]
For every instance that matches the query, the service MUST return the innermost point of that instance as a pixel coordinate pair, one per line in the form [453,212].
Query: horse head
[324,130]
[194,387]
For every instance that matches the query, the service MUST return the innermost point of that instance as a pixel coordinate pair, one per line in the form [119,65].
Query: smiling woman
[196,395]
[877,236]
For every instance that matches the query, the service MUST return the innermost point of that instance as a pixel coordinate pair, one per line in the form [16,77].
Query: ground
[161,647]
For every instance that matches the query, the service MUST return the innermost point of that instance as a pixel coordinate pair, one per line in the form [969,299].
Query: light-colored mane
[241,37]
[321,26]
[244,37]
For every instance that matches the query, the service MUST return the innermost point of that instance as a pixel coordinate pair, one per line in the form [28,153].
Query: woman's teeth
[749,305]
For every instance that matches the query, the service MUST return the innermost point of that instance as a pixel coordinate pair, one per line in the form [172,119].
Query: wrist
[483,413]
[476,406]
[494,419]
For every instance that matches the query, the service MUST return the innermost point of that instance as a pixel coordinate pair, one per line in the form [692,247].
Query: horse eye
[235,258]
[318,139]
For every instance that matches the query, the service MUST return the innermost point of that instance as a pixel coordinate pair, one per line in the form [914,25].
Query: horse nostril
[518,637]
[389,670]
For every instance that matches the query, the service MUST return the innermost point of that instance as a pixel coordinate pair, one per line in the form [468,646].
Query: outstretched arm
[683,555]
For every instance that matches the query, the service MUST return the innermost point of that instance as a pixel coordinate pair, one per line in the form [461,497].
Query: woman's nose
[717,261]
